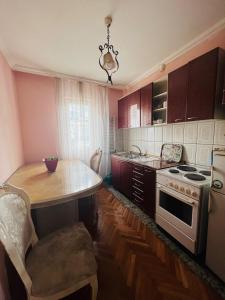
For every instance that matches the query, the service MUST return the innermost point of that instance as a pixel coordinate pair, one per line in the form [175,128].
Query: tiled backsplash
[198,139]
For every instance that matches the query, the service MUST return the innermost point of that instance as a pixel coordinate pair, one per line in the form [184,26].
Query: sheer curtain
[83,121]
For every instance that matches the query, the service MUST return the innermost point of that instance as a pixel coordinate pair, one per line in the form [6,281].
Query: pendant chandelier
[108,58]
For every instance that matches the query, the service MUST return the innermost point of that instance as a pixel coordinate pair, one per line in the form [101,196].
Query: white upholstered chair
[55,266]
[95,160]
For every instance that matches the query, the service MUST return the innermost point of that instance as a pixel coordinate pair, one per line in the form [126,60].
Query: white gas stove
[181,204]
[191,175]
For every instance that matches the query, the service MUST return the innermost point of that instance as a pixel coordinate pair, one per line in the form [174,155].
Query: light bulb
[108,62]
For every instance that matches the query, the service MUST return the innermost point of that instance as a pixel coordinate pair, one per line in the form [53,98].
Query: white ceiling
[63,36]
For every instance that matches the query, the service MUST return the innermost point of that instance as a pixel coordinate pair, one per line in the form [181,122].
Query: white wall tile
[151,134]
[178,133]
[203,155]
[205,132]
[144,148]
[157,148]
[189,153]
[150,147]
[168,134]
[138,134]
[190,132]
[219,137]
[144,134]
[158,134]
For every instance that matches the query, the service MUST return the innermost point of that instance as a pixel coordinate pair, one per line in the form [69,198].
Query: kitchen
[175,172]
[112,150]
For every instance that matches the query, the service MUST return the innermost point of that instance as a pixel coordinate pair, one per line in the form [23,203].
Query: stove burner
[196,177]
[205,172]
[174,171]
[187,168]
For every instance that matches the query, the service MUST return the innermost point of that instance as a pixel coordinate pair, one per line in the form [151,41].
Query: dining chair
[95,160]
[55,266]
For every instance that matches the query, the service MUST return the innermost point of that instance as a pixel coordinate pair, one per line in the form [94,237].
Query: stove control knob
[176,186]
[171,184]
[182,189]
[194,194]
[188,191]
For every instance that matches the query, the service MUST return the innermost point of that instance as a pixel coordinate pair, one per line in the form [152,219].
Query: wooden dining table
[53,196]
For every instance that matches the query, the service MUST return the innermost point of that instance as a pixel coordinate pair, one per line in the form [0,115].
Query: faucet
[139,149]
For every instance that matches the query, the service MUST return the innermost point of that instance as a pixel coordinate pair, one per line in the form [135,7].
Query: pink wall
[37,105]
[216,40]
[114,95]
[11,153]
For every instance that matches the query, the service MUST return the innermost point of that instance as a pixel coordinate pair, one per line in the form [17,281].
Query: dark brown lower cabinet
[125,178]
[136,182]
[150,191]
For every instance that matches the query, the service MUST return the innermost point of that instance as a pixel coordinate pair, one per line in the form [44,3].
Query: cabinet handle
[137,190]
[148,171]
[139,182]
[137,172]
[178,120]
[192,118]
[139,198]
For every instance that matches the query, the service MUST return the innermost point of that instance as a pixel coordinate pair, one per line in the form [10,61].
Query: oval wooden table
[52,195]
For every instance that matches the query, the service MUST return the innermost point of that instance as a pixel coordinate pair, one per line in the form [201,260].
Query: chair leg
[94,288]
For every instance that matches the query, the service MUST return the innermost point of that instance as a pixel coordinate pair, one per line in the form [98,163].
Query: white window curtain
[83,121]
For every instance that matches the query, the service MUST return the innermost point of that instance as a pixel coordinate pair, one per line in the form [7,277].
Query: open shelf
[159,101]
[160,109]
[160,95]
[159,124]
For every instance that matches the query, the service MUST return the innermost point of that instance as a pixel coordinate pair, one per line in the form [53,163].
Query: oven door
[178,209]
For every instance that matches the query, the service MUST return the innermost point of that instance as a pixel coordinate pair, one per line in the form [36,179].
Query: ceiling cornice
[48,73]
[196,41]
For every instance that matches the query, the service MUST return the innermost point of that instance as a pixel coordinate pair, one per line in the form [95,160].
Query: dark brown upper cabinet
[205,86]
[177,95]
[123,113]
[134,113]
[195,91]
[146,105]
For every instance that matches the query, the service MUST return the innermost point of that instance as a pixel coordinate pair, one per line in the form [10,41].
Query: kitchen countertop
[153,162]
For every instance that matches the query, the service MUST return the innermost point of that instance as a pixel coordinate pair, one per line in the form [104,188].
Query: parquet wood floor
[135,264]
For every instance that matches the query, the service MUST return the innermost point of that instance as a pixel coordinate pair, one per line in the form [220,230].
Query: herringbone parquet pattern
[150,270]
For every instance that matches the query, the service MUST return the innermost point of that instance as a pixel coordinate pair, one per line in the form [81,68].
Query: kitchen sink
[136,157]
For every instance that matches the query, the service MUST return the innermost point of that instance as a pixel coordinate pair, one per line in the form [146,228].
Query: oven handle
[182,200]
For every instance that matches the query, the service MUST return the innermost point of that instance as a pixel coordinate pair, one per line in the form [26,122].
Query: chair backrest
[96,160]
[17,232]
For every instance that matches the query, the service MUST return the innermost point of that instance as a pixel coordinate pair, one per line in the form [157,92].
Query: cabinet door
[149,191]
[134,114]
[146,105]
[122,113]
[202,75]
[115,165]
[126,178]
[177,95]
